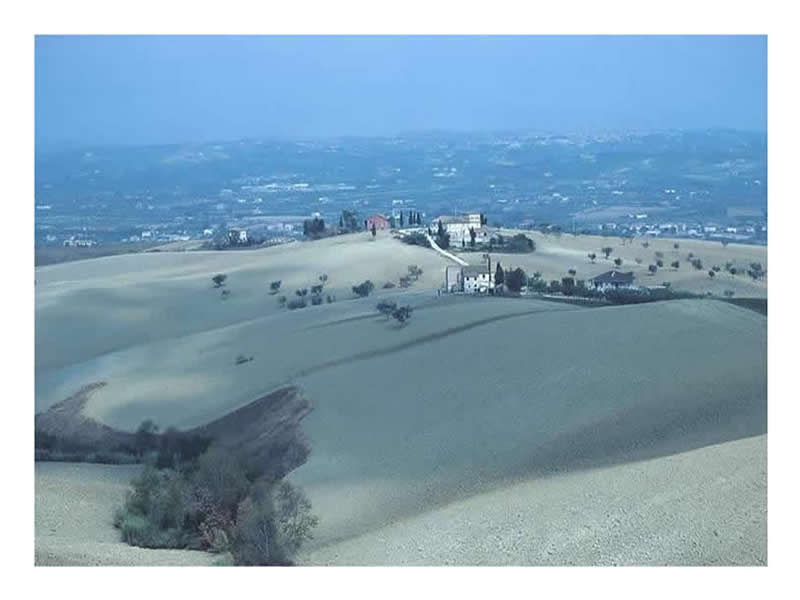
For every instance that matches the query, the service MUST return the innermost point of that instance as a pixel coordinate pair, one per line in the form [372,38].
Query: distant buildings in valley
[78,242]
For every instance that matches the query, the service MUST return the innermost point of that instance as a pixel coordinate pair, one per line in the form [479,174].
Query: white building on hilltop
[458,226]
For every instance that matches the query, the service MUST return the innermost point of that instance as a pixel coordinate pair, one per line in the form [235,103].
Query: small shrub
[618,261]
[225,294]
[296,303]
[330,299]
[275,286]
[219,279]
[281,300]
[652,269]
[607,250]
[402,314]
[405,281]
[316,300]
[389,285]
[363,289]
[302,292]
[675,264]
[567,286]
[316,289]
[241,359]
[697,264]
[386,308]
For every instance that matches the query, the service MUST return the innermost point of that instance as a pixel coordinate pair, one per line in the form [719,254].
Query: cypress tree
[499,275]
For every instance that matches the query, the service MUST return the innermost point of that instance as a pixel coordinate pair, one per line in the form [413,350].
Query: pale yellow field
[472,399]
[555,255]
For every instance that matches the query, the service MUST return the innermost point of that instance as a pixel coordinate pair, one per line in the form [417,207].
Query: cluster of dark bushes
[442,237]
[756,271]
[302,294]
[401,314]
[49,447]
[416,239]
[363,289]
[210,502]
[314,229]
[146,445]
[517,244]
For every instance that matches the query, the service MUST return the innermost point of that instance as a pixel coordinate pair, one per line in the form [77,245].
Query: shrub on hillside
[416,239]
[219,279]
[211,504]
[402,314]
[515,279]
[275,286]
[363,289]
[296,303]
[386,307]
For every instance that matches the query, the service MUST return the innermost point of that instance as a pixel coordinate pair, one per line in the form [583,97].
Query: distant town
[625,185]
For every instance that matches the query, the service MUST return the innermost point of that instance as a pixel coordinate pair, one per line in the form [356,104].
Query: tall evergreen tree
[499,275]
[401,219]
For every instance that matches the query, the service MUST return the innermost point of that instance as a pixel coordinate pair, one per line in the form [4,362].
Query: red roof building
[379,221]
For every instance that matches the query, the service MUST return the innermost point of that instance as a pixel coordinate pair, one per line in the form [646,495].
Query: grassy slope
[405,420]
[555,255]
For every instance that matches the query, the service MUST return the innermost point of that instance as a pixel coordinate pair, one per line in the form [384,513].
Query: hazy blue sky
[131,90]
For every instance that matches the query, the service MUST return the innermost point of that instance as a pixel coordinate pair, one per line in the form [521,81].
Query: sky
[134,90]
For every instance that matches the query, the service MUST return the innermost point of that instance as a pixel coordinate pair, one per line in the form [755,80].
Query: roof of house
[614,277]
[475,270]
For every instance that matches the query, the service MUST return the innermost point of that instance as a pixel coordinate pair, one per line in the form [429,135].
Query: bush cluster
[211,503]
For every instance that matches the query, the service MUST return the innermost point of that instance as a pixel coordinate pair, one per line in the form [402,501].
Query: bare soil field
[476,402]
[74,508]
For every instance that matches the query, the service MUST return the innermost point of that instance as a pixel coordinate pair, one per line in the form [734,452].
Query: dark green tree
[499,275]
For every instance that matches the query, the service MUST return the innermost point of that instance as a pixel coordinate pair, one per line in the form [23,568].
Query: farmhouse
[477,279]
[237,236]
[458,226]
[613,280]
[378,221]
